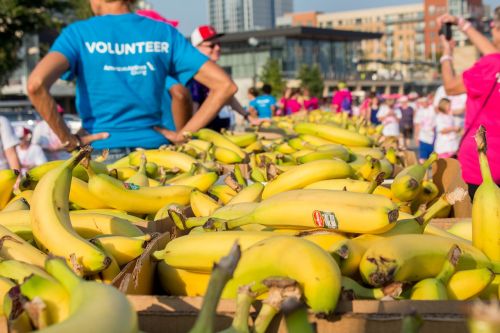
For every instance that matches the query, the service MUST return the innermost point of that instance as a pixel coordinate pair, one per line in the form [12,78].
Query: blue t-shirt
[121,63]
[167,118]
[263,104]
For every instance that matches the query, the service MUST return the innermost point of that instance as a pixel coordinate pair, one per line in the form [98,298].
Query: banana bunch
[57,300]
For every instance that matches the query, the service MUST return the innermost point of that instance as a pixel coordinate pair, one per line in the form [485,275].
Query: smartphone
[446,31]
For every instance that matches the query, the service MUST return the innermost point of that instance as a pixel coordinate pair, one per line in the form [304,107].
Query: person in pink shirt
[481,83]
[289,102]
[310,102]
[342,100]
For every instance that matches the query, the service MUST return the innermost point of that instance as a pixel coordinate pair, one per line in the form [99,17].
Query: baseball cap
[154,15]
[204,33]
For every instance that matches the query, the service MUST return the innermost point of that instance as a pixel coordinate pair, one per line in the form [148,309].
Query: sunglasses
[211,45]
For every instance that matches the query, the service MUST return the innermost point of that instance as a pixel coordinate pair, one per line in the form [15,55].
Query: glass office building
[336,52]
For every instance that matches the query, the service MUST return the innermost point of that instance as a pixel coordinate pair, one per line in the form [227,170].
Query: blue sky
[192,13]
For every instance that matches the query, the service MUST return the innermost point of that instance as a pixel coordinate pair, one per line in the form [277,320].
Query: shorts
[219,123]
[407,132]
[114,154]
[425,150]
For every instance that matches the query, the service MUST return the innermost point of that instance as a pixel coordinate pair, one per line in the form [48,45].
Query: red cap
[203,33]
[154,15]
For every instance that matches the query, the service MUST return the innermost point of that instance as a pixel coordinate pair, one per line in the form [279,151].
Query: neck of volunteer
[107,7]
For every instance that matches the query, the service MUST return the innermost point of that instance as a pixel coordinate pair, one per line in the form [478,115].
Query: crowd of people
[140,83]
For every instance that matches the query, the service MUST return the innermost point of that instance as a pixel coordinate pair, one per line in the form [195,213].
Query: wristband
[445,58]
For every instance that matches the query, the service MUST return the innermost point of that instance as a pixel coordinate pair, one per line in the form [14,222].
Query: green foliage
[21,17]
[271,74]
[311,79]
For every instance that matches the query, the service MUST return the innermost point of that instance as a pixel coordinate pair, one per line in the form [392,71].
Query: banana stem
[444,201]
[58,268]
[264,318]
[375,182]
[449,265]
[430,160]
[243,303]
[296,316]
[483,159]
[221,274]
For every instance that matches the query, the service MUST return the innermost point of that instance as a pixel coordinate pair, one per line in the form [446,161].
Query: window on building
[432,10]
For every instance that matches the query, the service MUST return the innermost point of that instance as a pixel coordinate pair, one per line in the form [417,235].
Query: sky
[192,13]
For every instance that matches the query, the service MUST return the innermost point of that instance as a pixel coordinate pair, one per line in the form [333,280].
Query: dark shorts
[425,150]
[219,123]
[407,132]
[114,154]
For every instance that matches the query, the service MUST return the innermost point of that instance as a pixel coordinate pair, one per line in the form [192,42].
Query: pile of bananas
[311,208]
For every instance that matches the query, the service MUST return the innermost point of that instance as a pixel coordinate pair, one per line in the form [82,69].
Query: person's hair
[253,91]
[267,89]
[443,105]
[295,91]
[496,17]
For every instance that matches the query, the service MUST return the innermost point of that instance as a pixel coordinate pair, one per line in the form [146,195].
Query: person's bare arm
[48,70]
[182,105]
[12,158]
[221,87]
[236,106]
[273,110]
[453,84]
[253,112]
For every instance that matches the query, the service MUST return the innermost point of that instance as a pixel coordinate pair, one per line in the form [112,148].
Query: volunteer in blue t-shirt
[263,106]
[121,61]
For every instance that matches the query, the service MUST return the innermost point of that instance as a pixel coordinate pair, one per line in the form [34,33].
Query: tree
[271,74]
[311,79]
[21,17]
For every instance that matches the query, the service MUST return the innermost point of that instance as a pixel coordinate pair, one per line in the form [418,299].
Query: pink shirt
[290,105]
[311,104]
[480,80]
[339,97]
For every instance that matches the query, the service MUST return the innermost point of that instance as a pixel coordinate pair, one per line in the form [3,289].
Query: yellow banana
[210,248]
[350,252]
[7,180]
[165,158]
[5,286]
[51,222]
[226,155]
[434,289]
[319,277]
[486,206]
[468,284]
[324,239]
[86,224]
[361,292]
[251,193]
[305,174]
[413,258]
[110,273]
[370,169]
[462,229]
[16,248]
[202,181]
[428,192]
[387,168]
[80,195]
[407,183]
[284,148]
[145,200]
[334,134]
[202,204]
[200,146]
[18,204]
[26,194]
[219,140]
[491,292]
[299,144]
[123,173]
[314,140]
[376,153]
[338,210]
[181,282]
[223,192]
[91,304]
[323,155]
[18,271]
[255,147]
[52,293]
[140,177]
[123,249]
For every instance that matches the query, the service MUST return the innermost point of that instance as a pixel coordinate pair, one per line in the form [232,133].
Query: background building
[399,52]
[245,15]
[332,50]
